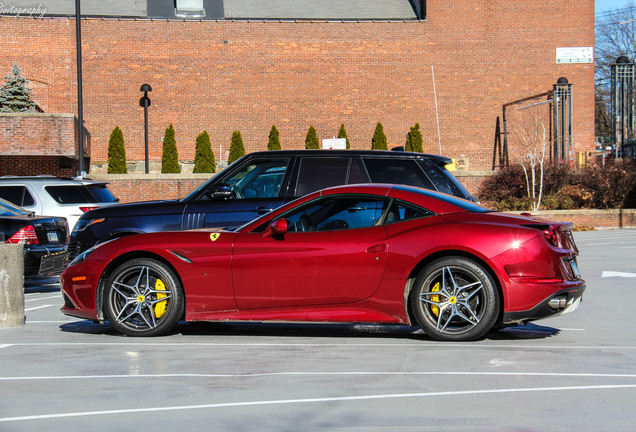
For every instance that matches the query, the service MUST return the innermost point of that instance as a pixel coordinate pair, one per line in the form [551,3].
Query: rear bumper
[559,303]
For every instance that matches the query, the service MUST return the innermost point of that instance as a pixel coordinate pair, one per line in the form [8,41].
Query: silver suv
[54,196]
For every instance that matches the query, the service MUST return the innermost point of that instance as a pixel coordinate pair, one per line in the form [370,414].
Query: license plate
[53,238]
[575,268]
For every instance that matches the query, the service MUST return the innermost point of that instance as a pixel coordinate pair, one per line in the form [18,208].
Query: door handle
[377,248]
[262,210]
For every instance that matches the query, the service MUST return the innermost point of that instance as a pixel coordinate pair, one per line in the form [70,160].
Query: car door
[252,190]
[334,252]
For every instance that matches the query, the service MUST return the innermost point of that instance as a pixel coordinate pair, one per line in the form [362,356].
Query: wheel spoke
[137,302]
[453,302]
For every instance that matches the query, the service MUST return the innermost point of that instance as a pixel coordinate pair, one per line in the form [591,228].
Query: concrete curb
[11,285]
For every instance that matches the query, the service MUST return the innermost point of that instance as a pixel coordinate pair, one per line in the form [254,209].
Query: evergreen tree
[237,150]
[378,142]
[274,140]
[116,153]
[14,94]
[342,133]
[311,141]
[170,158]
[414,140]
[204,158]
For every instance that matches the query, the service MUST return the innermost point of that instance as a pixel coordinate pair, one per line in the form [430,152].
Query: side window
[317,173]
[401,211]
[18,195]
[357,173]
[258,179]
[397,171]
[336,213]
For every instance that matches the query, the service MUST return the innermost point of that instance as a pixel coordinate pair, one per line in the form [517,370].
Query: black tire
[143,297]
[454,299]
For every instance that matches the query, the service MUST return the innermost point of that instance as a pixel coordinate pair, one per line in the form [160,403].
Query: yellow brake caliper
[160,308]
[435,298]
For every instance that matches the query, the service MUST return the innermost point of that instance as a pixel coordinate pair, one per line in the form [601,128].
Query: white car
[55,196]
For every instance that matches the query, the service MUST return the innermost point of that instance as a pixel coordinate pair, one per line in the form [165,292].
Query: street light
[145,102]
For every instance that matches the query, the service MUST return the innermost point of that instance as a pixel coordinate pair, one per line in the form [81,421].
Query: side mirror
[277,228]
[220,191]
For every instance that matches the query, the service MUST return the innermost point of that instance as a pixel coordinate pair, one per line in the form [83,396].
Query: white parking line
[42,298]
[607,274]
[314,400]
[38,307]
[333,373]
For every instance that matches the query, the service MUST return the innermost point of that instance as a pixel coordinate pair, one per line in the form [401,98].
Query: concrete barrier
[11,285]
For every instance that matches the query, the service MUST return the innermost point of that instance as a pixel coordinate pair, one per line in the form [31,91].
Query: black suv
[258,183]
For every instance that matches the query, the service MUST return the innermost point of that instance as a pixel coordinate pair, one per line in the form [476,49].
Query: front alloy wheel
[455,299]
[143,297]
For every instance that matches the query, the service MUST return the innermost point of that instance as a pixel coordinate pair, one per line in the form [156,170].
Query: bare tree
[615,37]
[533,136]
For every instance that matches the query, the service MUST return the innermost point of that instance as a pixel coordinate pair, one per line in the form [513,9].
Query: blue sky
[603,5]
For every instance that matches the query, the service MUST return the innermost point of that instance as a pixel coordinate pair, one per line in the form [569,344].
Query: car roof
[48,179]
[443,160]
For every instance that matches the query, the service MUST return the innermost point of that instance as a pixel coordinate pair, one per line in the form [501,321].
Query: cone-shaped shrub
[170,158]
[116,153]
[342,133]
[274,139]
[378,142]
[203,157]
[311,140]
[237,150]
[414,140]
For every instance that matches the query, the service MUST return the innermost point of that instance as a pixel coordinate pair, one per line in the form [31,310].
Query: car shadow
[300,330]
[523,331]
[42,285]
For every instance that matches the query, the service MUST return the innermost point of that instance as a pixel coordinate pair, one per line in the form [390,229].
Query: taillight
[549,232]
[26,235]
[85,209]
[551,235]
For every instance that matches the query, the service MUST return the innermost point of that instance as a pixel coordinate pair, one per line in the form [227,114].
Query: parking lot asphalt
[575,372]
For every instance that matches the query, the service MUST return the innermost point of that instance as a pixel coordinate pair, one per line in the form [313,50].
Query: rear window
[18,195]
[80,194]
[397,171]
[442,179]
[6,209]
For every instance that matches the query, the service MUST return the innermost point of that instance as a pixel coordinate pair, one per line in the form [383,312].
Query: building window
[189,9]
[419,6]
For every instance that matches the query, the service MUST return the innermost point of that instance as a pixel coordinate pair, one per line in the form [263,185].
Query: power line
[608,13]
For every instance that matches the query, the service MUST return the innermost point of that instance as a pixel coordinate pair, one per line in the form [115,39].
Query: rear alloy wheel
[455,299]
[143,297]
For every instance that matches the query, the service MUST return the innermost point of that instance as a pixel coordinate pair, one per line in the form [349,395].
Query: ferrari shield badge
[215,236]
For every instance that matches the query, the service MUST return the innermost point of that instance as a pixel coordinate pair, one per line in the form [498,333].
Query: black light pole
[80,103]
[145,102]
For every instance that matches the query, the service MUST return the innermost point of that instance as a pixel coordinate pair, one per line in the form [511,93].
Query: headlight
[82,257]
[82,224]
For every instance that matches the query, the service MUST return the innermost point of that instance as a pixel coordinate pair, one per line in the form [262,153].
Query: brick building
[225,65]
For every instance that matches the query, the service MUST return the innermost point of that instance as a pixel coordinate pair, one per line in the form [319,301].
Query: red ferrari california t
[359,253]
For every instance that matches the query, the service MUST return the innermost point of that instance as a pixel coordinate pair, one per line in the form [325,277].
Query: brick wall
[460,66]
[35,143]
